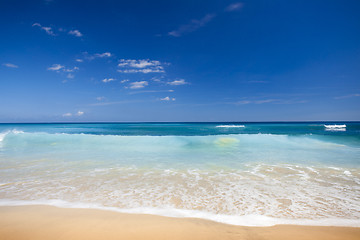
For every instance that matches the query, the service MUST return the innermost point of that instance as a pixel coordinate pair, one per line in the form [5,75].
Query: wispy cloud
[348,96]
[273,101]
[167,99]
[75,33]
[151,91]
[59,67]
[48,30]
[137,85]
[70,69]
[146,70]
[124,81]
[79,113]
[140,66]
[103,55]
[10,65]
[158,79]
[70,76]
[194,25]
[106,80]
[114,103]
[256,81]
[100,98]
[234,7]
[142,63]
[244,102]
[90,57]
[178,82]
[55,67]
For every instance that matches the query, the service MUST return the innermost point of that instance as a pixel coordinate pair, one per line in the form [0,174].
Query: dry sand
[45,222]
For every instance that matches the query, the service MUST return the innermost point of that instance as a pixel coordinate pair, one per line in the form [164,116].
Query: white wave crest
[230,126]
[4,134]
[335,127]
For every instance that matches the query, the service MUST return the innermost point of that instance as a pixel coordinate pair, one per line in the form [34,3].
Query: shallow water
[238,173]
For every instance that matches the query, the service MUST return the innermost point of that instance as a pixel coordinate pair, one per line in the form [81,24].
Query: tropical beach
[151,119]
[242,178]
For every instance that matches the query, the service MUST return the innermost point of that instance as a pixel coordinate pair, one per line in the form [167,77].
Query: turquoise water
[238,173]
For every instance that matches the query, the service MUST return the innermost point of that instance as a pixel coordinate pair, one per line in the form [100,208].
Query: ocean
[250,174]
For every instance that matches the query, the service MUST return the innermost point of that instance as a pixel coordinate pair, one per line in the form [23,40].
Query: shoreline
[50,222]
[240,221]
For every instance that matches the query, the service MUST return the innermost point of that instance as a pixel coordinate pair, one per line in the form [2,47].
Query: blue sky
[183,60]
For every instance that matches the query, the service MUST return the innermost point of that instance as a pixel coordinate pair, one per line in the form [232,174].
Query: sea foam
[244,179]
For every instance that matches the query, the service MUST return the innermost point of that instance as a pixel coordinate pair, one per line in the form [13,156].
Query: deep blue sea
[253,174]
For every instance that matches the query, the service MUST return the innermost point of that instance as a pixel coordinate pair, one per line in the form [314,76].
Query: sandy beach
[47,222]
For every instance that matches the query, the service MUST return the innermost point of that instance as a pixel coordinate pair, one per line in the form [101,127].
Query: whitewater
[250,174]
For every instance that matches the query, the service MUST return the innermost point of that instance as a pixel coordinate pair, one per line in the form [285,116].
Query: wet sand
[46,222]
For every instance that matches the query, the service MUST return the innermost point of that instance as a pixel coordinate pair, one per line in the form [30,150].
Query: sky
[176,61]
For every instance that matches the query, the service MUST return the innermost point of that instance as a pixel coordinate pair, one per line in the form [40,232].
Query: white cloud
[125,80]
[106,80]
[60,68]
[156,79]
[243,102]
[100,98]
[90,57]
[114,103]
[178,82]
[70,69]
[71,76]
[48,30]
[79,113]
[141,63]
[79,60]
[137,85]
[140,66]
[273,101]
[234,7]
[76,33]
[146,70]
[167,99]
[265,101]
[10,65]
[67,115]
[192,26]
[151,91]
[55,67]
[102,55]
[348,96]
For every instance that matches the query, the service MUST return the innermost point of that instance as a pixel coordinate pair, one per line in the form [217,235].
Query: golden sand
[49,223]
